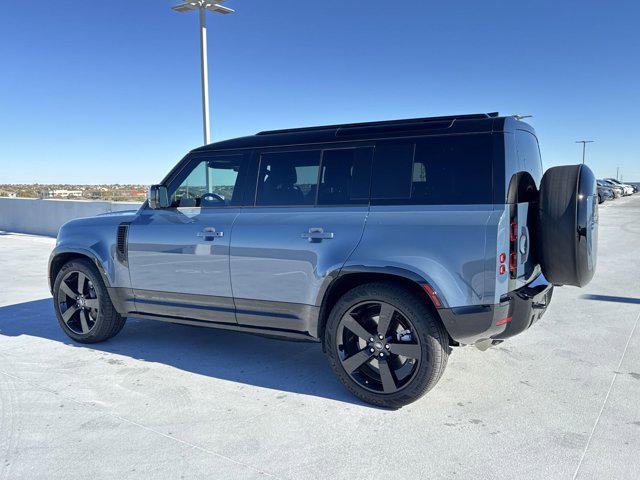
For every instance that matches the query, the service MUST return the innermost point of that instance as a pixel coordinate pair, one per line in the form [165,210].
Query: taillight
[513,235]
[513,262]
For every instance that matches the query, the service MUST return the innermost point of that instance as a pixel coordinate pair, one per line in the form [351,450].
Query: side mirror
[158,197]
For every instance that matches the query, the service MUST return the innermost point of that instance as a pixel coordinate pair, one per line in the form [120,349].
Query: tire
[426,347]
[99,320]
[567,230]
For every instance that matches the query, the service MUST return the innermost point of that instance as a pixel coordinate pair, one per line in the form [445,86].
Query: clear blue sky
[109,91]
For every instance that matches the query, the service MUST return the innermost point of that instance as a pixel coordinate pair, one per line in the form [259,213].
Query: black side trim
[263,331]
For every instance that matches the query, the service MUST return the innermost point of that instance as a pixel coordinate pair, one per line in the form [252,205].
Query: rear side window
[288,178]
[444,170]
[344,176]
[529,154]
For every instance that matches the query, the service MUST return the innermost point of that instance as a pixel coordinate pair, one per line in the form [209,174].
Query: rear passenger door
[308,215]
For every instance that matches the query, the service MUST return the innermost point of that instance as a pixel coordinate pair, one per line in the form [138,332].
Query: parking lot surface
[164,401]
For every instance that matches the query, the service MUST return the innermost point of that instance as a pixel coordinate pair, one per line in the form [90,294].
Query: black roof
[471,123]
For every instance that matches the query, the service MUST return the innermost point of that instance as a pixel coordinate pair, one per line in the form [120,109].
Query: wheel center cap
[378,346]
[81,301]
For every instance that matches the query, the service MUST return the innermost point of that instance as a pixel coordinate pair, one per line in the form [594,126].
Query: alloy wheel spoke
[67,290]
[91,302]
[352,324]
[68,313]
[83,321]
[410,350]
[356,360]
[388,382]
[81,279]
[384,320]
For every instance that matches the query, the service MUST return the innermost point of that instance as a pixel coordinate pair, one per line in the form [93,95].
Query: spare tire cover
[568,225]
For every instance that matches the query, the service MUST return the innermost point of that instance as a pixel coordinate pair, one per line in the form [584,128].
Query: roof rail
[473,116]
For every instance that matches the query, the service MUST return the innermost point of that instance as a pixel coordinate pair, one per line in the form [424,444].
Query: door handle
[209,233]
[317,234]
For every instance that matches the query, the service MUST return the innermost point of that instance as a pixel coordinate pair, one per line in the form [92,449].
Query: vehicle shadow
[609,298]
[295,367]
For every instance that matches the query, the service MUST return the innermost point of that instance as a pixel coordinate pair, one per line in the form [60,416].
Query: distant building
[61,193]
[6,193]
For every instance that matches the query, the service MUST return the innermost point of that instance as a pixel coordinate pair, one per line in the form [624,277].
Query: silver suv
[388,242]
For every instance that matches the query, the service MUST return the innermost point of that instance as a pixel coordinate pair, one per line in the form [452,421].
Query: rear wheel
[385,345]
[82,304]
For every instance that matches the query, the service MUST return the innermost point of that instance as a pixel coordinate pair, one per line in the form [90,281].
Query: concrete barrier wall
[45,217]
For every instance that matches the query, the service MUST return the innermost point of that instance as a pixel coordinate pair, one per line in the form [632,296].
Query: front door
[179,256]
[308,216]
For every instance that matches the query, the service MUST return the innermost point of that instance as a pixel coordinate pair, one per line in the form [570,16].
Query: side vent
[121,243]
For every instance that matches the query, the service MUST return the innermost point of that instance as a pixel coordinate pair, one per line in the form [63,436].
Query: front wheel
[82,303]
[385,344]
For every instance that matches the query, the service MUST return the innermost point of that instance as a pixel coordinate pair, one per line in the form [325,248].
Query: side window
[438,170]
[211,182]
[345,176]
[392,171]
[288,178]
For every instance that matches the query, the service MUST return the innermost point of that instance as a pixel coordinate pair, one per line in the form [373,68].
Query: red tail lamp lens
[513,262]
[513,232]
[504,320]
[503,257]
[502,269]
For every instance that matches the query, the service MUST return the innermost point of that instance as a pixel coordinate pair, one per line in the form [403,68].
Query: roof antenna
[518,116]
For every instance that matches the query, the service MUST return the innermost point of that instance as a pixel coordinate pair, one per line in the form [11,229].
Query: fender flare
[405,273]
[85,252]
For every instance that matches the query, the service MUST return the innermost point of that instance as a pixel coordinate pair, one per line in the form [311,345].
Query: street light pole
[202,6]
[205,77]
[584,147]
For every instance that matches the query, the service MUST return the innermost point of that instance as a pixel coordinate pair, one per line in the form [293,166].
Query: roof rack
[473,116]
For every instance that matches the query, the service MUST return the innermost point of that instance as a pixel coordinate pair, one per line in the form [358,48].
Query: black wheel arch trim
[80,252]
[407,274]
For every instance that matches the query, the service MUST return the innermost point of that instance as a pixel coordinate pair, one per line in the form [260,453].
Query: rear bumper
[518,311]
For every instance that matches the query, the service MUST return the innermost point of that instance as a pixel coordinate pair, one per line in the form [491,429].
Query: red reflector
[432,295]
[504,320]
[503,257]
[502,269]
[513,262]
[513,236]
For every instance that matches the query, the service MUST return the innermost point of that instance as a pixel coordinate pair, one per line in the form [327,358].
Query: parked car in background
[605,193]
[387,242]
[617,191]
[626,189]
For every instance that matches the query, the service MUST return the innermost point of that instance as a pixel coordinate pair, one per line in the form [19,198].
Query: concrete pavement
[162,401]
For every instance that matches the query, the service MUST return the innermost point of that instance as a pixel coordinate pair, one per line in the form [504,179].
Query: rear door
[527,207]
[179,256]
[308,215]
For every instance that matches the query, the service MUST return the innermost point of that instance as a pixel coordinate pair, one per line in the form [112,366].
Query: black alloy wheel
[377,348]
[78,302]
